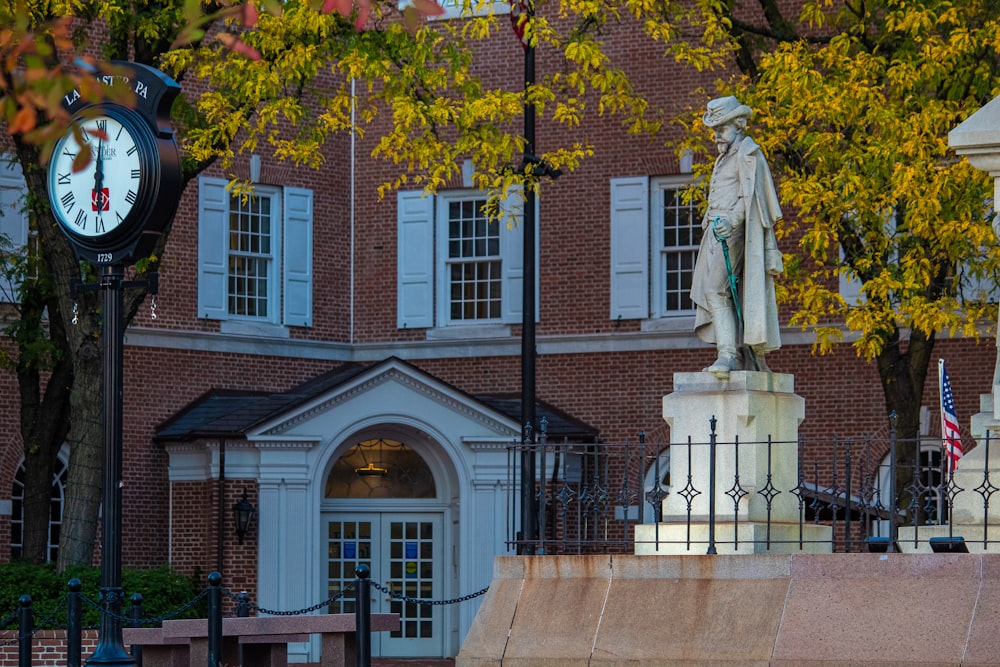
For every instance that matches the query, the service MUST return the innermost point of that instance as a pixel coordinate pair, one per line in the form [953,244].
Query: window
[472,263]
[251,260]
[254,255]
[654,243]
[677,232]
[13,221]
[59,479]
[455,266]
[453,8]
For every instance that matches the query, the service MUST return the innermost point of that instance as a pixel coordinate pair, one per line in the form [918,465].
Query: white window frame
[422,265]
[444,263]
[453,9]
[271,259]
[57,499]
[638,290]
[13,216]
[290,282]
[659,250]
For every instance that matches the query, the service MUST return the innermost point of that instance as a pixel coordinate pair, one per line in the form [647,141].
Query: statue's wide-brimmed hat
[724,109]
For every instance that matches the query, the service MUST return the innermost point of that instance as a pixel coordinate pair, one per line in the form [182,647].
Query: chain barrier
[308,610]
[10,619]
[152,620]
[431,603]
[46,623]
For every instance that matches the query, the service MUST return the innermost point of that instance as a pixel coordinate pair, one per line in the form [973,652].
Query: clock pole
[137,181]
[110,644]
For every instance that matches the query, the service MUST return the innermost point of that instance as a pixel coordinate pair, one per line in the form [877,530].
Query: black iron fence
[841,495]
[68,616]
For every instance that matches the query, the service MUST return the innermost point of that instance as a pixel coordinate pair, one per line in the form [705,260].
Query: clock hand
[99,179]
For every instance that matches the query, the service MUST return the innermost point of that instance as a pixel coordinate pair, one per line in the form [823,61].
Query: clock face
[94,202]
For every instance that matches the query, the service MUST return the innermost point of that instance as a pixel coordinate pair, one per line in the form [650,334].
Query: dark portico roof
[230,414]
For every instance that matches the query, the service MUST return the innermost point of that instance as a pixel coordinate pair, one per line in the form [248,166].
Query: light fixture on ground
[948,545]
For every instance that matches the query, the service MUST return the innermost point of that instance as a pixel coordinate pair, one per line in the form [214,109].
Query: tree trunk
[81,322]
[903,374]
[44,425]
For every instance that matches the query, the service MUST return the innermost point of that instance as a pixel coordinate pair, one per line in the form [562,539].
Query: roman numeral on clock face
[81,219]
[67,201]
[130,197]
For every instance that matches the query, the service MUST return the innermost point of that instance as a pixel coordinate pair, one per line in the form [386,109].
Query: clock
[114,209]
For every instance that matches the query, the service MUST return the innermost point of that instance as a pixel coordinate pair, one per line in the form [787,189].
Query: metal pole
[362,617]
[893,501]
[529,509]
[215,620]
[135,621]
[25,631]
[110,645]
[74,624]
[711,488]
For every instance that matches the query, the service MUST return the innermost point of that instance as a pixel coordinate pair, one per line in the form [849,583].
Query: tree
[278,79]
[855,106]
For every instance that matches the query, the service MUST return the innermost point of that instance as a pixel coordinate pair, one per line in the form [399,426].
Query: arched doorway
[386,506]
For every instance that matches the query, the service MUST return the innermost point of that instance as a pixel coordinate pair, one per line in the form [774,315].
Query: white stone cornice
[393,374]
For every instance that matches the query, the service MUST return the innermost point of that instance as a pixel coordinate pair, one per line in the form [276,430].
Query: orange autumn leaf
[24,121]
[238,46]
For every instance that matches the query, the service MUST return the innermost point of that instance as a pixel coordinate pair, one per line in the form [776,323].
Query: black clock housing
[155,194]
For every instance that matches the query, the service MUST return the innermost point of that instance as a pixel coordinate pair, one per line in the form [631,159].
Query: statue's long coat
[761,257]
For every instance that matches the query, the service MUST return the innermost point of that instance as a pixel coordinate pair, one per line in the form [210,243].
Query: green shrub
[163,591]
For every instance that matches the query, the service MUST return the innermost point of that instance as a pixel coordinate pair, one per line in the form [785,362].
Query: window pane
[681,234]
[250,257]
[474,265]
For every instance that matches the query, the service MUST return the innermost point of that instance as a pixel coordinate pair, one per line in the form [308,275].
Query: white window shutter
[512,257]
[213,248]
[629,248]
[415,260]
[13,218]
[297,262]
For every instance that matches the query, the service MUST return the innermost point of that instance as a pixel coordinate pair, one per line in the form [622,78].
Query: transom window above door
[380,468]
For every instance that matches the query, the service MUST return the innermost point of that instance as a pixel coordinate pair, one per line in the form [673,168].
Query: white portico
[429,527]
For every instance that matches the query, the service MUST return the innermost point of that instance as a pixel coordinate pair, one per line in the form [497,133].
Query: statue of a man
[740,316]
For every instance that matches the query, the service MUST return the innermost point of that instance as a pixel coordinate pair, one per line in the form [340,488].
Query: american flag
[950,438]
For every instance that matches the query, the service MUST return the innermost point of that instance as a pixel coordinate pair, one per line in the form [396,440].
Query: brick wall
[617,392]
[48,647]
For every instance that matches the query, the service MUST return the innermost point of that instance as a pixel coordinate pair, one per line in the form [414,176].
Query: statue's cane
[734,290]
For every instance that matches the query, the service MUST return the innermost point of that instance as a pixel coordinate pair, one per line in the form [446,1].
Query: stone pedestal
[760,411]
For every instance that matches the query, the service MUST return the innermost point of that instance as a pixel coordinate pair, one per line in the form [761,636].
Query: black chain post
[135,621]
[243,604]
[362,617]
[25,627]
[74,624]
[214,620]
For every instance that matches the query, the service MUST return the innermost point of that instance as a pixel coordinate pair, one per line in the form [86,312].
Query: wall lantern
[243,513]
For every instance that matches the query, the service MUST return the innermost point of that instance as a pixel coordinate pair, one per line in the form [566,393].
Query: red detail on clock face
[99,201]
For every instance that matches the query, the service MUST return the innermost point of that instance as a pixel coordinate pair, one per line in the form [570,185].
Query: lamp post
[113,212]
[110,644]
[529,505]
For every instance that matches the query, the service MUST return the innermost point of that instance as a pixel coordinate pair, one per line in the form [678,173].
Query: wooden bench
[262,639]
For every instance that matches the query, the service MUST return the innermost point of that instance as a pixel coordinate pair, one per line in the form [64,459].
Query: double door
[404,552]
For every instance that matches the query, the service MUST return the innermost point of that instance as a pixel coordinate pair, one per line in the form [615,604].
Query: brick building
[342,334]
